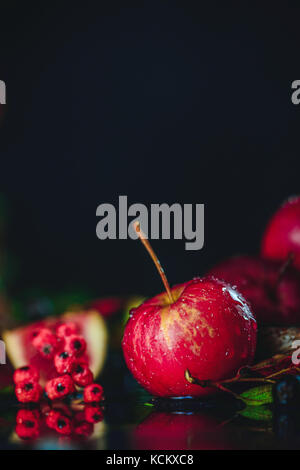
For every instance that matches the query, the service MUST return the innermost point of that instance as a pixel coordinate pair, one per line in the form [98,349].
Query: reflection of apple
[273,292]
[282,235]
[183,431]
[204,326]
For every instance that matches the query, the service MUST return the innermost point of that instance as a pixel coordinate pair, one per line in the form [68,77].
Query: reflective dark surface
[133,420]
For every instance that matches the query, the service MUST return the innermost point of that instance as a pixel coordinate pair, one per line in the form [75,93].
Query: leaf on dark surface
[262,394]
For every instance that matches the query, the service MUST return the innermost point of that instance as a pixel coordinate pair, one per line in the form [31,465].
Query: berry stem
[159,268]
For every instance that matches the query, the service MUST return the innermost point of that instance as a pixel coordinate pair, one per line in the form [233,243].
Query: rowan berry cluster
[67,351]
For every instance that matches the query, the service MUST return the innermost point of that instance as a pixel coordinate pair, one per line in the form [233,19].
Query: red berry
[25,415]
[28,392]
[64,363]
[75,345]
[59,387]
[59,422]
[51,418]
[93,413]
[26,373]
[45,342]
[82,375]
[66,329]
[29,429]
[93,393]
[83,429]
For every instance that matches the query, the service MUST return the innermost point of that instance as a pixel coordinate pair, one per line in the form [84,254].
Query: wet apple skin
[209,330]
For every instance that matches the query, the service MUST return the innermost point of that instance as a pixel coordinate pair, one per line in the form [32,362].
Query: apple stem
[149,248]
[219,385]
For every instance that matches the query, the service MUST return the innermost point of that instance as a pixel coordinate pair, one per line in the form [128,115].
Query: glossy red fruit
[27,425]
[282,235]
[28,391]
[59,387]
[75,345]
[93,393]
[64,363]
[26,373]
[208,329]
[25,415]
[272,289]
[82,375]
[93,413]
[59,422]
[45,342]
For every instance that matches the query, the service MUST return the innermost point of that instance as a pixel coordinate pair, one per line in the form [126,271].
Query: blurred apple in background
[272,288]
[282,235]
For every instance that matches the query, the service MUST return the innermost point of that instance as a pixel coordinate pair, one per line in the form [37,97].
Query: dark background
[159,101]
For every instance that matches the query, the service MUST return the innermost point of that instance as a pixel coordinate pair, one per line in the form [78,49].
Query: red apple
[282,235]
[272,289]
[204,326]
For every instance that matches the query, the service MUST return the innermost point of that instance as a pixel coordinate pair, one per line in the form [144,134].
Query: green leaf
[257,396]
[257,413]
